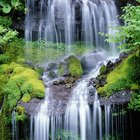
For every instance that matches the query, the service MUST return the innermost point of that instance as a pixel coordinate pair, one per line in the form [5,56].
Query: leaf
[15,3]
[2,3]
[6,8]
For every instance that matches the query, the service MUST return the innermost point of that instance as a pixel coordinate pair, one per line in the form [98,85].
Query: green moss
[16,81]
[117,79]
[74,66]
[39,71]
[34,87]
[13,93]
[135,101]
[103,69]
[20,113]
[26,98]
[135,87]
[61,69]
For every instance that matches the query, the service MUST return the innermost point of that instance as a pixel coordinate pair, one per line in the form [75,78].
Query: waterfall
[69,21]
[14,126]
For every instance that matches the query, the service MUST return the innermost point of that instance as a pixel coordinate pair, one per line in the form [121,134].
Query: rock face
[90,60]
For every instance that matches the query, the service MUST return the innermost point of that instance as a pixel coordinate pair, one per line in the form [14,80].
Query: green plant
[5,21]
[7,5]
[6,35]
[4,58]
[129,34]
[135,101]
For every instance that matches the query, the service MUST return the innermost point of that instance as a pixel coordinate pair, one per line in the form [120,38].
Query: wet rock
[52,75]
[30,64]
[56,82]
[31,107]
[91,90]
[90,60]
[94,82]
[63,69]
[52,66]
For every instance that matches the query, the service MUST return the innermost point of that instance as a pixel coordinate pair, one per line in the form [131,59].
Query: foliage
[129,34]
[20,113]
[135,101]
[5,21]
[6,35]
[63,134]
[124,76]
[13,78]
[7,5]
[41,51]
[4,58]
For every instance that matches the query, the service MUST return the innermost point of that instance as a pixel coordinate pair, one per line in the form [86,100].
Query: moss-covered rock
[35,87]
[20,113]
[63,69]
[121,77]
[17,81]
[103,69]
[26,98]
[74,66]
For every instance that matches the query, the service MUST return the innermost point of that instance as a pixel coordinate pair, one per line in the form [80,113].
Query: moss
[39,71]
[20,113]
[117,79]
[16,81]
[103,69]
[12,93]
[74,66]
[37,88]
[20,109]
[61,69]
[135,87]
[135,101]
[26,98]
[26,74]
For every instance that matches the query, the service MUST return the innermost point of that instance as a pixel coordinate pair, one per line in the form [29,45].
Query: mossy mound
[122,77]
[18,82]
[74,66]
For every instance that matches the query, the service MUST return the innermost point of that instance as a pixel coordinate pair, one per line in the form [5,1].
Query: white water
[14,126]
[57,21]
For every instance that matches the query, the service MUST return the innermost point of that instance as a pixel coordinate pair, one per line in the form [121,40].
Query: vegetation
[41,51]
[123,76]
[129,34]
[18,82]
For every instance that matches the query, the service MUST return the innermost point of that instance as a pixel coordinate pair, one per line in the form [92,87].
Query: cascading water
[69,21]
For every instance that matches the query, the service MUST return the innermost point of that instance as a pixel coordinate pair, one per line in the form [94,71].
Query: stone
[63,69]
[90,60]
[52,75]
[52,66]
[74,66]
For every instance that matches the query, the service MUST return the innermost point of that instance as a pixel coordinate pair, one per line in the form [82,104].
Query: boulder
[71,66]
[90,60]
[63,69]
[52,66]
[74,66]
